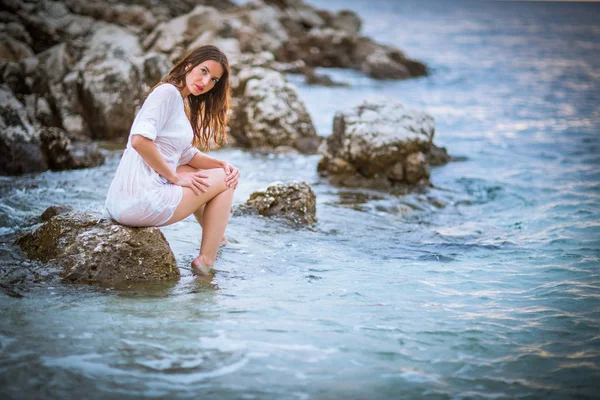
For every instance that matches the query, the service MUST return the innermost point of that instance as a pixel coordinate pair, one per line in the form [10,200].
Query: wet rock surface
[87,249]
[293,201]
[379,145]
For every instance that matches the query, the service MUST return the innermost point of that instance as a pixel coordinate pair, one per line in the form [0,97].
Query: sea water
[484,286]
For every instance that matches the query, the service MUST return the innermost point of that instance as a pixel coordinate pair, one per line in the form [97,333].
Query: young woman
[162,177]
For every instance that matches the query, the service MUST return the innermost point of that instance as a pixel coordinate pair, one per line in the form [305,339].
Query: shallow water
[485,286]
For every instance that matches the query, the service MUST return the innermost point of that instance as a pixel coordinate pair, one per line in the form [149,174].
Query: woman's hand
[197,181]
[232,175]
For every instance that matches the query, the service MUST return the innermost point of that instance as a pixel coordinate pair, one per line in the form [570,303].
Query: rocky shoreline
[83,69]
[72,73]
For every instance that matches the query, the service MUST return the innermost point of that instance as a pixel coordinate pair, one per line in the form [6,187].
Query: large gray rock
[19,143]
[270,114]
[92,250]
[378,144]
[113,77]
[291,201]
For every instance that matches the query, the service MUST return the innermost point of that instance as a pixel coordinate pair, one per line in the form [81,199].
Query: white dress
[138,195]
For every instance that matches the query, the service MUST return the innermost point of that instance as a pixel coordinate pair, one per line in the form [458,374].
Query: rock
[174,34]
[312,78]
[379,65]
[92,250]
[437,156]
[109,85]
[39,110]
[378,144]
[152,66]
[269,114]
[14,77]
[264,20]
[15,30]
[19,143]
[292,201]
[55,62]
[326,46]
[415,166]
[134,17]
[61,153]
[347,20]
[53,211]
[50,23]
[13,49]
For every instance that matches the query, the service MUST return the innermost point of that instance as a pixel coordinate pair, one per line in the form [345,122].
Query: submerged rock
[379,145]
[292,201]
[92,250]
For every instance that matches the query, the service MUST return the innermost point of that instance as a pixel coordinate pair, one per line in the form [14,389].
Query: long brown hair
[207,112]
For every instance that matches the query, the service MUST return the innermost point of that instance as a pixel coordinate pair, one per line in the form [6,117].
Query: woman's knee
[217,178]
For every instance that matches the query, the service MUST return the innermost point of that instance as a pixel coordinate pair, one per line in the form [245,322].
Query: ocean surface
[485,286]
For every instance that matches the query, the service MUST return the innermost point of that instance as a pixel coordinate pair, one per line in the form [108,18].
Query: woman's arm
[202,161]
[148,151]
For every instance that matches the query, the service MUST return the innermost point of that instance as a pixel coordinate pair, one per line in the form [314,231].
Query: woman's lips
[200,88]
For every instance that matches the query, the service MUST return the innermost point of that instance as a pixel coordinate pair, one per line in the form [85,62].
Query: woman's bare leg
[199,213]
[216,216]
[217,207]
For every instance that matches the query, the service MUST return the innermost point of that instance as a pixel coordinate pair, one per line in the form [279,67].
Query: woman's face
[203,77]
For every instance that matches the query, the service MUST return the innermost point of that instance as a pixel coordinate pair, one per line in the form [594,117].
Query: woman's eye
[204,71]
[214,80]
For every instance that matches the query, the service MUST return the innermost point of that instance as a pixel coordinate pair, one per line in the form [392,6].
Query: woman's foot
[224,241]
[201,265]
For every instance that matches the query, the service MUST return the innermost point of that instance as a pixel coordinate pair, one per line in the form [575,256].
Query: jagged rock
[334,42]
[378,144]
[19,143]
[56,62]
[61,153]
[133,17]
[292,201]
[13,49]
[174,34]
[415,168]
[50,23]
[152,66]
[270,114]
[53,211]
[14,77]
[313,78]
[88,249]
[15,30]
[438,156]
[347,20]
[39,110]
[109,84]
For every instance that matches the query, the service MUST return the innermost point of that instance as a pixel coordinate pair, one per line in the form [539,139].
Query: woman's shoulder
[166,89]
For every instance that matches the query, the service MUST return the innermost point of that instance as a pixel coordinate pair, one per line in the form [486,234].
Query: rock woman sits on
[162,177]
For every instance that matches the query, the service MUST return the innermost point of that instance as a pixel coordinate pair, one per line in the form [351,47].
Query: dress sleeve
[155,111]
[188,154]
